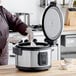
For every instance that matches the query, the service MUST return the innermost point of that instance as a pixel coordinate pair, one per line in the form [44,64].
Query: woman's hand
[30,34]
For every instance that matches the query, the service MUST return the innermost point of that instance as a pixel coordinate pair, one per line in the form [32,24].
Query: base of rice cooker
[34,69]
[33,58]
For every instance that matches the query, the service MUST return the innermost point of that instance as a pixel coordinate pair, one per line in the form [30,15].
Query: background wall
[27,6]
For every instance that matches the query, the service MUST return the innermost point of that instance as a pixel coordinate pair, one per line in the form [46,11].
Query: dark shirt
[13,21]
[7,20]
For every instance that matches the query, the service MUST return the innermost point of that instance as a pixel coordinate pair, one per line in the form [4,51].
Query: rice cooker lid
[52,22]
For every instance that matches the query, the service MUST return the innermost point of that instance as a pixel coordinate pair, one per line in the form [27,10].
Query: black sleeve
[15,23]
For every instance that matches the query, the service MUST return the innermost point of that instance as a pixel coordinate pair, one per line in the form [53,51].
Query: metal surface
[69,32]
[68,40]
[30,58]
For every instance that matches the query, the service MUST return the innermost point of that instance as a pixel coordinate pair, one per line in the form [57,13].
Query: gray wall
[28,6]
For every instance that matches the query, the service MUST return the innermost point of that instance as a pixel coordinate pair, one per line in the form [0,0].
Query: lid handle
[53,3]
[49,41]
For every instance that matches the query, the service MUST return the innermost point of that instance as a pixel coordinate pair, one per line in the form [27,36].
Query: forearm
[21,28]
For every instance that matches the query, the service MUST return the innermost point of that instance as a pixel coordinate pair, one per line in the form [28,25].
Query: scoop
[33,44]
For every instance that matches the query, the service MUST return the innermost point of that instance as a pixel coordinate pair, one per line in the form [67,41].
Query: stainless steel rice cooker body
[39,58]
[33,58]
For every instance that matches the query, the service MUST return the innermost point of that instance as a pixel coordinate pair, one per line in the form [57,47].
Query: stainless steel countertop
[68,33]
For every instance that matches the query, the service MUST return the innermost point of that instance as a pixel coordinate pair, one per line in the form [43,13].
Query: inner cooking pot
[27,45]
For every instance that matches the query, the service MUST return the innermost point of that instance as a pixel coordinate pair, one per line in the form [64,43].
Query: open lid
[52,22]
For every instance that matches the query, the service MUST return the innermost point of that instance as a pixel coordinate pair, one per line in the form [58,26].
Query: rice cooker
[39,58]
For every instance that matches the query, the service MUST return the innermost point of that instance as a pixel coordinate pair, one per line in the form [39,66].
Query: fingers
[30,34]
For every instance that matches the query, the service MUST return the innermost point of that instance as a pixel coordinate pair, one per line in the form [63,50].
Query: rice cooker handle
[17,51]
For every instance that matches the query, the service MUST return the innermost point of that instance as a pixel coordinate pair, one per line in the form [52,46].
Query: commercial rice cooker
[39,58]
